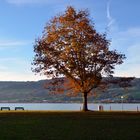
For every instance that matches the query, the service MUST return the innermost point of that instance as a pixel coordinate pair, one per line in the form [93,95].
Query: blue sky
[22,21]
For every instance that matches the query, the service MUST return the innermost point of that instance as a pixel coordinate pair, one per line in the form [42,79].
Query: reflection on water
[70,106]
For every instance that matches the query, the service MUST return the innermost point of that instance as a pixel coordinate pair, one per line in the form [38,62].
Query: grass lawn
[43,125]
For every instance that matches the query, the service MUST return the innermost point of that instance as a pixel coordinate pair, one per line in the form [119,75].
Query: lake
[72,106]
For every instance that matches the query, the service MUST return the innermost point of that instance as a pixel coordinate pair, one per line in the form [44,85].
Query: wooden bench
[5,108]
[19,108]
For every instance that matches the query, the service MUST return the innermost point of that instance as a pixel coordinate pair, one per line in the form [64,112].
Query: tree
[71,47]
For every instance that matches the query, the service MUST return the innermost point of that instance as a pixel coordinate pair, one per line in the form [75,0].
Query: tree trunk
[85,107]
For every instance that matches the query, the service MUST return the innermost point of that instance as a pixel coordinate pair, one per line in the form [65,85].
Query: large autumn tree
[71,47]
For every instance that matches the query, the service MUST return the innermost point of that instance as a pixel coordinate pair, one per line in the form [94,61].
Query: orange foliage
[72,48]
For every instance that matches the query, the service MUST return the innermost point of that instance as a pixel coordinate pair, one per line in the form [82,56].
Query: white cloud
[124,39]
[111,20]
[3,68]
[133,32]
[128,42]
[128,70]
[131,66]
[16,76]
[134,53]
[17,69]
[7,44]
[22,2]
[14,43]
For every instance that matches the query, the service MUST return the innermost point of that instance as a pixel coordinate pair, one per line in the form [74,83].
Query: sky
[22,21]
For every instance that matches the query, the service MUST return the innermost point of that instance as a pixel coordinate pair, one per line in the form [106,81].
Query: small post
[137,109]
[110,108]
[100,108]
[122,102]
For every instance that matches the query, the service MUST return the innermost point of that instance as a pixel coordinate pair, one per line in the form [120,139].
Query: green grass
[60,125]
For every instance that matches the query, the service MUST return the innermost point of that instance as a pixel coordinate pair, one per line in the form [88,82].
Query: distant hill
[24,92]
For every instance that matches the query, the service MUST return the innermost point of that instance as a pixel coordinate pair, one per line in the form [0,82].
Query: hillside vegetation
[35,92]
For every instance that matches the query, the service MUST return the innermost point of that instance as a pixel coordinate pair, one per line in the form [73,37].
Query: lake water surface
[71,106]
